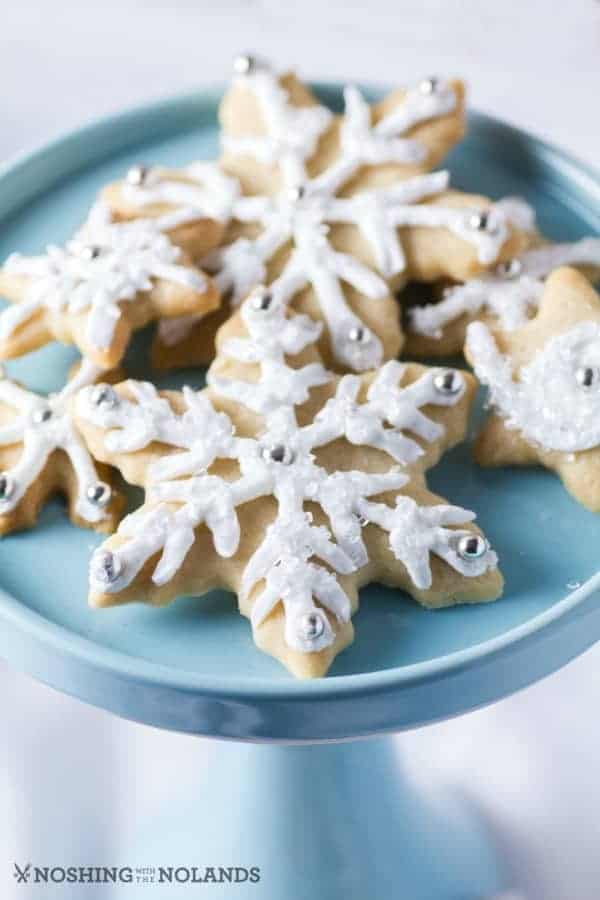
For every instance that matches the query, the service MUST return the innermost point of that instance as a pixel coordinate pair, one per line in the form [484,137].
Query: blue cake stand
[328,818]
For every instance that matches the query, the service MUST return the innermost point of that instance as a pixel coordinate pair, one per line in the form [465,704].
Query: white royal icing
[291,132]
[304,221]
[43,425]
[130,256]
[547,404]
[203,188]
[512,296]
[287,566]
[377,214]
[271,339]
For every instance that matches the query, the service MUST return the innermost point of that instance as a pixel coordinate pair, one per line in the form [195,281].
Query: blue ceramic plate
[193,666]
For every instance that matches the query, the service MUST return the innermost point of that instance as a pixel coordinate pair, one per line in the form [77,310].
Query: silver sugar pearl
[105,395]
[448,382]
[99,493]
[312,626]
[472,546]
[105,567]
[90,251]
[7,486]
[429,85]
[278,453]
[358,334]
[297,193]
[261,299]
[244,64]
[362,520]
[137,175]
[587,376]
[479,221]
[510,268]
[40,415]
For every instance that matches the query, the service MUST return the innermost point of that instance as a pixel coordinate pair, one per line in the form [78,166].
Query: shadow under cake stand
[293,791]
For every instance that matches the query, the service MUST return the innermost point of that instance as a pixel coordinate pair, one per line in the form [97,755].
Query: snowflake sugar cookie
[43,453]
[154,191]
[544,385]
[336,212]
[109,280]
[504,299]
[288,485]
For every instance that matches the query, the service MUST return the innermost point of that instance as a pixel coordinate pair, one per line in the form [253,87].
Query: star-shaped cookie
[289,485]
[544,385]
[108,281]
[338,211]
[42,453]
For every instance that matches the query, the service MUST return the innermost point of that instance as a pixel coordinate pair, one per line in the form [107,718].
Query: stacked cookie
[287,267]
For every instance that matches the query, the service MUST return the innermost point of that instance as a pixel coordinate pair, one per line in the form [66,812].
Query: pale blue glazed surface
[193,666]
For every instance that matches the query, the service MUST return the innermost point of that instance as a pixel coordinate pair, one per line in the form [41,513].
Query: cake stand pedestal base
[320,822]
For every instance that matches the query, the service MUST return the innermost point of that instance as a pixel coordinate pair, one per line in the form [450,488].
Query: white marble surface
[69,770]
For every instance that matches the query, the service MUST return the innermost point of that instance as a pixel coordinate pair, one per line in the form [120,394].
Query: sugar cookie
[338,211]
[109,280]
[544,385]
[43,453]
[288,485]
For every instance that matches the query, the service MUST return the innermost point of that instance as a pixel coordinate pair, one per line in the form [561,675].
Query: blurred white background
[74,777]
